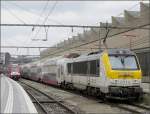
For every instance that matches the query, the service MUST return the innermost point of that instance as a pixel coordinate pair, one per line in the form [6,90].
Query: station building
[4,58]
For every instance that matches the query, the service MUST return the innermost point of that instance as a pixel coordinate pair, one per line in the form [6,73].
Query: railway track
[46,104]
[141,106]
[133,108]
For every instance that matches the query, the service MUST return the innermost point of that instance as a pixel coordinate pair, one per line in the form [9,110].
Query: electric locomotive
[111,73]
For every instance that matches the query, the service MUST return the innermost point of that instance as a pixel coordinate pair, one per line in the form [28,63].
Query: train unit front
[123,74]
[14,71]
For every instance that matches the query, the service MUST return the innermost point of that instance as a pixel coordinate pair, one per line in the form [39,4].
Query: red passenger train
[14,71]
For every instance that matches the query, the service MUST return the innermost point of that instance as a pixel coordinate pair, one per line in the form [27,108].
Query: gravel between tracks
[78,103]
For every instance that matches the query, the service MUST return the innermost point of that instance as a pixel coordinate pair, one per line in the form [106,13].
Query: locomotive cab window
[123,62]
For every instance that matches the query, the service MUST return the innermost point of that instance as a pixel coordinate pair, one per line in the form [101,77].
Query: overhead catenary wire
[26,47]
[22,8]
[16,17]
[13,14]
[42,12]
[74,26]
[28,11]
[139,26]
[45,20]
[108,29]
[127,9]
[25,55]
[96,40]
[136,43]
[40,17]
[33,13]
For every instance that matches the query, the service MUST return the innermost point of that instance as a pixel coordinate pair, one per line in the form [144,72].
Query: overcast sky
[64,12]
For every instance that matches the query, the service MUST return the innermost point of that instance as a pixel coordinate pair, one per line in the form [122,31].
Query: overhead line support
[24,47]
[70,26]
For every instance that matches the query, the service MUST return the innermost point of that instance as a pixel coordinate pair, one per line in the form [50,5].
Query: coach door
[88,72]
[61,72]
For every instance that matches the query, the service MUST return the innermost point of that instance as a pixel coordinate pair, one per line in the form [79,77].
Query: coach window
[69,68]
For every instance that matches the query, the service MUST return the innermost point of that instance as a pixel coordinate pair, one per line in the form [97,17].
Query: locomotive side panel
[84,72]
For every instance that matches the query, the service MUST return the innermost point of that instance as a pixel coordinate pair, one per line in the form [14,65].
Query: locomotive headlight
[116,81]
[136,82]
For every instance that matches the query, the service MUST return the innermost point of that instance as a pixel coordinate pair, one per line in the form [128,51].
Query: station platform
[14,99]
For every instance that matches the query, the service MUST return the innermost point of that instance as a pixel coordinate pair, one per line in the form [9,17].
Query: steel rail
[127,109]
[41,106]
[117,105]
[140,106]
[134,111]
[58,102]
